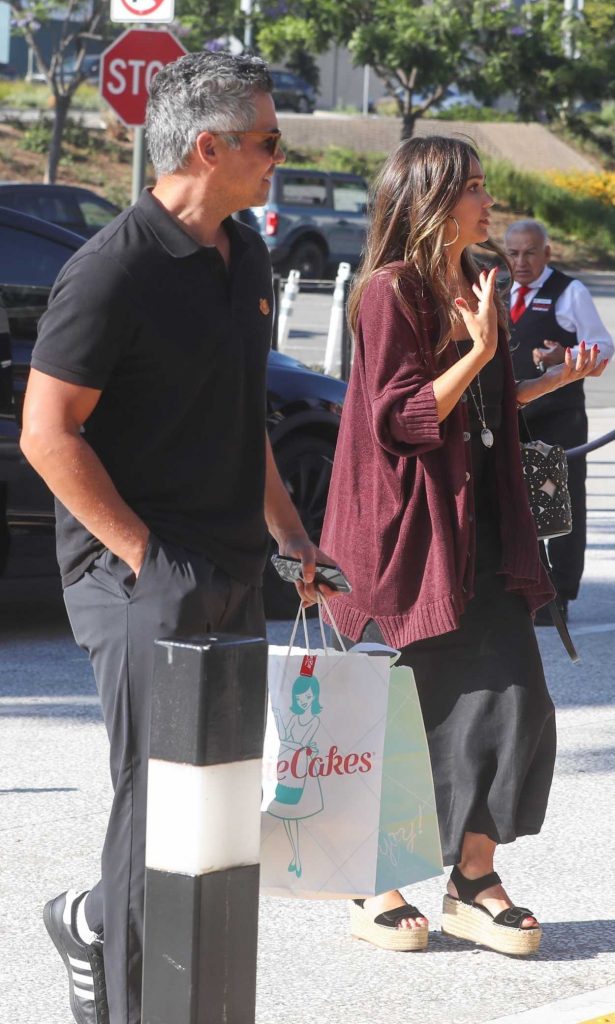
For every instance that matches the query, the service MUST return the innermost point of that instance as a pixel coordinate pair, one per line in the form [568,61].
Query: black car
[76,209]
[292,93]
[303,407]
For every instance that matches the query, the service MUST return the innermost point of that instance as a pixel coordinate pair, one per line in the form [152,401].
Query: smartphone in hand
[331,575]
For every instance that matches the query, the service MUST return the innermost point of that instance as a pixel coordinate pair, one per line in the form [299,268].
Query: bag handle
[322,600]
[556,615]
[301,615]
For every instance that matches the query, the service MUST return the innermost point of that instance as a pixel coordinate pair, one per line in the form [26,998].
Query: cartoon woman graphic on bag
[298,794]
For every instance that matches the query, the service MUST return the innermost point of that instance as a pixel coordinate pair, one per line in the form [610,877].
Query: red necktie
[518,309]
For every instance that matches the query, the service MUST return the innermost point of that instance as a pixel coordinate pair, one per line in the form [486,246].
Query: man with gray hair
[551,312]
[145,414]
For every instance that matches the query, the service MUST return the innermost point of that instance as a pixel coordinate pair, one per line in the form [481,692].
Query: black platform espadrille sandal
[382,930]
[466,919]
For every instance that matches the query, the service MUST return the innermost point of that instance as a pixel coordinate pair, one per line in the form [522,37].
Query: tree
[206,22]
[418,47]
[422,47]
[79,23]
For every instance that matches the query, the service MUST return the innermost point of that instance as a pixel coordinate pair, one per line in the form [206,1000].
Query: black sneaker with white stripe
[83,961]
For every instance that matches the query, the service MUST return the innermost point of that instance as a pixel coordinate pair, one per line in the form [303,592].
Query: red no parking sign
[128,66]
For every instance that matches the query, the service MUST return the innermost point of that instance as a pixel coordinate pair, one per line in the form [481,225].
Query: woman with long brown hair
[428,516]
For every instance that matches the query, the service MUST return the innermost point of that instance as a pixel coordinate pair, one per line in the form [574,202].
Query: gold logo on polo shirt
[264,307]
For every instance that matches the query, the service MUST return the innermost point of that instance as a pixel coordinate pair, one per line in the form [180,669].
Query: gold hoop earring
[456,236]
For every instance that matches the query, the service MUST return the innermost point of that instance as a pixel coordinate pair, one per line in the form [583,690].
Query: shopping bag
[348,803]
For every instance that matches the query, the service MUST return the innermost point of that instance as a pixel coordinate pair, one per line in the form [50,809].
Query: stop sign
[128,66]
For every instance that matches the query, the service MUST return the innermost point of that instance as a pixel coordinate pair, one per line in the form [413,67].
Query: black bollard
[203,830]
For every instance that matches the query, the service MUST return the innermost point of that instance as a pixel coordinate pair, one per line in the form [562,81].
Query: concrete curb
[574,1010]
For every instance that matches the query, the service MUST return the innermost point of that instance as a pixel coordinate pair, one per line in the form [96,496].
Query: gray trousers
[116,619]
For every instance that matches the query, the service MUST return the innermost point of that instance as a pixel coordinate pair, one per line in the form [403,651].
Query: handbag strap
[556,615]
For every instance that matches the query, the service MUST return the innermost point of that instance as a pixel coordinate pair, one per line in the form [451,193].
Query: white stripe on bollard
[291,290]
[333,350]
[189,827]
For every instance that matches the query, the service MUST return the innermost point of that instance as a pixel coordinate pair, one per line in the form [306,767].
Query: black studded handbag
[545,469]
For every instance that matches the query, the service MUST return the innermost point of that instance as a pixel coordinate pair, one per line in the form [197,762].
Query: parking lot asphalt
[55,795]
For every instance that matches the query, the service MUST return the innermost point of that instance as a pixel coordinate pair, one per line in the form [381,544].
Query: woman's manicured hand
[586,364]
[482,323]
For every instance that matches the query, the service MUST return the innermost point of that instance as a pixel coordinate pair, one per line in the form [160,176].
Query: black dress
[489,718]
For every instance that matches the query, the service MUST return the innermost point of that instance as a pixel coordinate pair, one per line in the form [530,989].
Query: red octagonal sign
[128,66]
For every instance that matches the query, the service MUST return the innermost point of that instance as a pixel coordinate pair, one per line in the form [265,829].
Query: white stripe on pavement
[31,702]
[574,1010]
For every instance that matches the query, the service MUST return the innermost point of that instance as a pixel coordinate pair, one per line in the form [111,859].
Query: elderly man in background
[550,312]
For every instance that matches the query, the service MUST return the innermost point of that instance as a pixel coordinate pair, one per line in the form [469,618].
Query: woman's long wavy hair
[410,203]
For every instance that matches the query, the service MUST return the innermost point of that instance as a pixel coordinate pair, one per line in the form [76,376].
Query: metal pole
[203,830]
[246,7]
[366,89]
[138,163]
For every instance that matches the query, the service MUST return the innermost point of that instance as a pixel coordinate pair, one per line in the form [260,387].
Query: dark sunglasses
[271,140]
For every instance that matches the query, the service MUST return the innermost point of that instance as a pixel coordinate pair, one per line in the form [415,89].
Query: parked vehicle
[90,66]
[313,220]
[76,209]
[8,73]
[293,93]
[303,407]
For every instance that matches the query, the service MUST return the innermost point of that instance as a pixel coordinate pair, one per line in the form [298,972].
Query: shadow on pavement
[561,941]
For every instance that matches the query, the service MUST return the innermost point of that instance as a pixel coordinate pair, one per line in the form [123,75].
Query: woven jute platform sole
[406,940]
[466,922]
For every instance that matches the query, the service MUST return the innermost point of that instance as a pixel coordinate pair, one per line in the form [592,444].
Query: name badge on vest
[542,305]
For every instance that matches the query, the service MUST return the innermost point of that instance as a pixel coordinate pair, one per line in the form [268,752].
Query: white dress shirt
[574,311]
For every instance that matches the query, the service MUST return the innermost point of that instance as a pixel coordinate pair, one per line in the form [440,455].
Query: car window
[349,197]
[20,201]
[60,210]
[96,215]
[301,190]
[26,258]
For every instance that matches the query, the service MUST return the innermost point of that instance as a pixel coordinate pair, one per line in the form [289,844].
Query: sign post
[126,71]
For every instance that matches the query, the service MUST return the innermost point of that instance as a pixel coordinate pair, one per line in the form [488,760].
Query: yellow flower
[598,185]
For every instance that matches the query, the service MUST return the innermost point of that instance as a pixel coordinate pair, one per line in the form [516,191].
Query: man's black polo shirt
[178,346]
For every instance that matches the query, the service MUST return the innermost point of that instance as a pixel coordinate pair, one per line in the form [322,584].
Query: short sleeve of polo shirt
[89,321]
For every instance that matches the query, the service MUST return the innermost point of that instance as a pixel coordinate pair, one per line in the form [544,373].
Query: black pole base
[200,939]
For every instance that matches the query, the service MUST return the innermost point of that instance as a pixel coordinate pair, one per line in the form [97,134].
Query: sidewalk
[55,795]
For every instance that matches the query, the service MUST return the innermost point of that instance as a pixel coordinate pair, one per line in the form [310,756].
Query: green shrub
[336,158]
[464,112]
[567,215]
[22,95]
[37,136]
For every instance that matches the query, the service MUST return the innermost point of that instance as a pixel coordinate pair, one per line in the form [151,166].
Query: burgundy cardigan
[400,513]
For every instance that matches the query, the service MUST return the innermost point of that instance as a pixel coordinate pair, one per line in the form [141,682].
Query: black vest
[535,326]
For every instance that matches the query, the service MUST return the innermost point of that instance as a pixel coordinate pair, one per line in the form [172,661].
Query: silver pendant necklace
[486,435]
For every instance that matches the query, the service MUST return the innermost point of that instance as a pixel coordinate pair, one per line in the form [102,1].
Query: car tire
[305,463]
[308,257]
[303,106]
